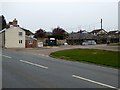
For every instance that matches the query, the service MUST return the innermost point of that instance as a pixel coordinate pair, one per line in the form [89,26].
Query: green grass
[101,57]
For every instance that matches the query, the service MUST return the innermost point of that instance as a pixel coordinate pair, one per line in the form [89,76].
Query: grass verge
[101,57]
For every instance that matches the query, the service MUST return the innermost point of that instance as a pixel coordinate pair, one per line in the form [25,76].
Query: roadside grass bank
[96,56]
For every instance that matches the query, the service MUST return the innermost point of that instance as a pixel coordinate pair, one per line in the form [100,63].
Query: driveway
[45,51]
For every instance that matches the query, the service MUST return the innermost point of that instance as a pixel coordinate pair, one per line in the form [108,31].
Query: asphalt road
[48,50]
[23,70]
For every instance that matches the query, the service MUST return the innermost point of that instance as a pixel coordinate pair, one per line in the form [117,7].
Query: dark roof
[81,36]
[97,30]
[113,32]
[2,30]
[86,36]
[10,23]
[28,32]
[74,35]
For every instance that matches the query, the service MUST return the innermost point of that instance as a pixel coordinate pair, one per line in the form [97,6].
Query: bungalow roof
[113,32]
[97,30]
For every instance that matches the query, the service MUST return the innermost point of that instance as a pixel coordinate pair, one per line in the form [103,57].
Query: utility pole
[101,23]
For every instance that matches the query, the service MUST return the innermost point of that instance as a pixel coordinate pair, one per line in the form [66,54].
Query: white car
[85,43]
[65,43]
[89,43]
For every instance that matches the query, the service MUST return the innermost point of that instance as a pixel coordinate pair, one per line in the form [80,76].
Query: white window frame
[20,41]
[20,33]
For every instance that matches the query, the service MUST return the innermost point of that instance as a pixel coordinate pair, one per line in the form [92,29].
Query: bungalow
[79,37]
[73,38]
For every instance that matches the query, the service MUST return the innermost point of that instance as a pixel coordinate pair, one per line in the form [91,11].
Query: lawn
[101,57]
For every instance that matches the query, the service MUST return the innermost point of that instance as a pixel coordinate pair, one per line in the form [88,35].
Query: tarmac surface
[48,49]
[25,70]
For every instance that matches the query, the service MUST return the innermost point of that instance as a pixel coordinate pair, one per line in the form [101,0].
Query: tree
[59,33]
[40,33]
[2,22]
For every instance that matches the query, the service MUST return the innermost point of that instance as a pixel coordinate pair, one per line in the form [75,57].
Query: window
[30,42]
[20,33]
[20,41]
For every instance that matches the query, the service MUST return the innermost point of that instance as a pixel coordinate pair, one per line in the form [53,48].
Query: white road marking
[109,86]
[34,64]
[6,56]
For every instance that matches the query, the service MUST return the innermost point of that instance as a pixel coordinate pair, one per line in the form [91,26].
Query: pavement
[25,70]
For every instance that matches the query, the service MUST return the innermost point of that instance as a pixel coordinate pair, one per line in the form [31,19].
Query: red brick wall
[33,45]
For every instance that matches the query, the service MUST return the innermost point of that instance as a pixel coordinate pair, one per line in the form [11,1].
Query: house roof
[28,32]
[2,30]
[113,32]
[11,24]
[8,28]
[74,35]
[97,30]
[81,36]
[86,36]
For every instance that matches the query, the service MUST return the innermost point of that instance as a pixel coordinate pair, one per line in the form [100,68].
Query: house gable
[98,32]
[13,39]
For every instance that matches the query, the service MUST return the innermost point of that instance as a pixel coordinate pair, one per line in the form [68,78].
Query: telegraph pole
[101,23]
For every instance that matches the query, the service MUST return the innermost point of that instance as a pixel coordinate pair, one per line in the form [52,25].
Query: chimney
[15,22]
[10,24]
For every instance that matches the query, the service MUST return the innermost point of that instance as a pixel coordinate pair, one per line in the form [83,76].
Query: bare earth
[45,51]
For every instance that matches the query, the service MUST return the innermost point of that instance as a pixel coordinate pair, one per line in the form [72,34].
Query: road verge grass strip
[96,56]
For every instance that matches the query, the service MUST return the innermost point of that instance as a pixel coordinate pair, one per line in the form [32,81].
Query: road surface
[47,50]
[23,70]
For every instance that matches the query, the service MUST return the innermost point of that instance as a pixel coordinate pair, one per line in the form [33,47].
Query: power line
[89,27]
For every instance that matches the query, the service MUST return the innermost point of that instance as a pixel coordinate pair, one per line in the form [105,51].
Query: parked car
[65,43]
[91,42]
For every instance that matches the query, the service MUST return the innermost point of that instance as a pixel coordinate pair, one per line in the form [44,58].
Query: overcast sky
[71,15]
